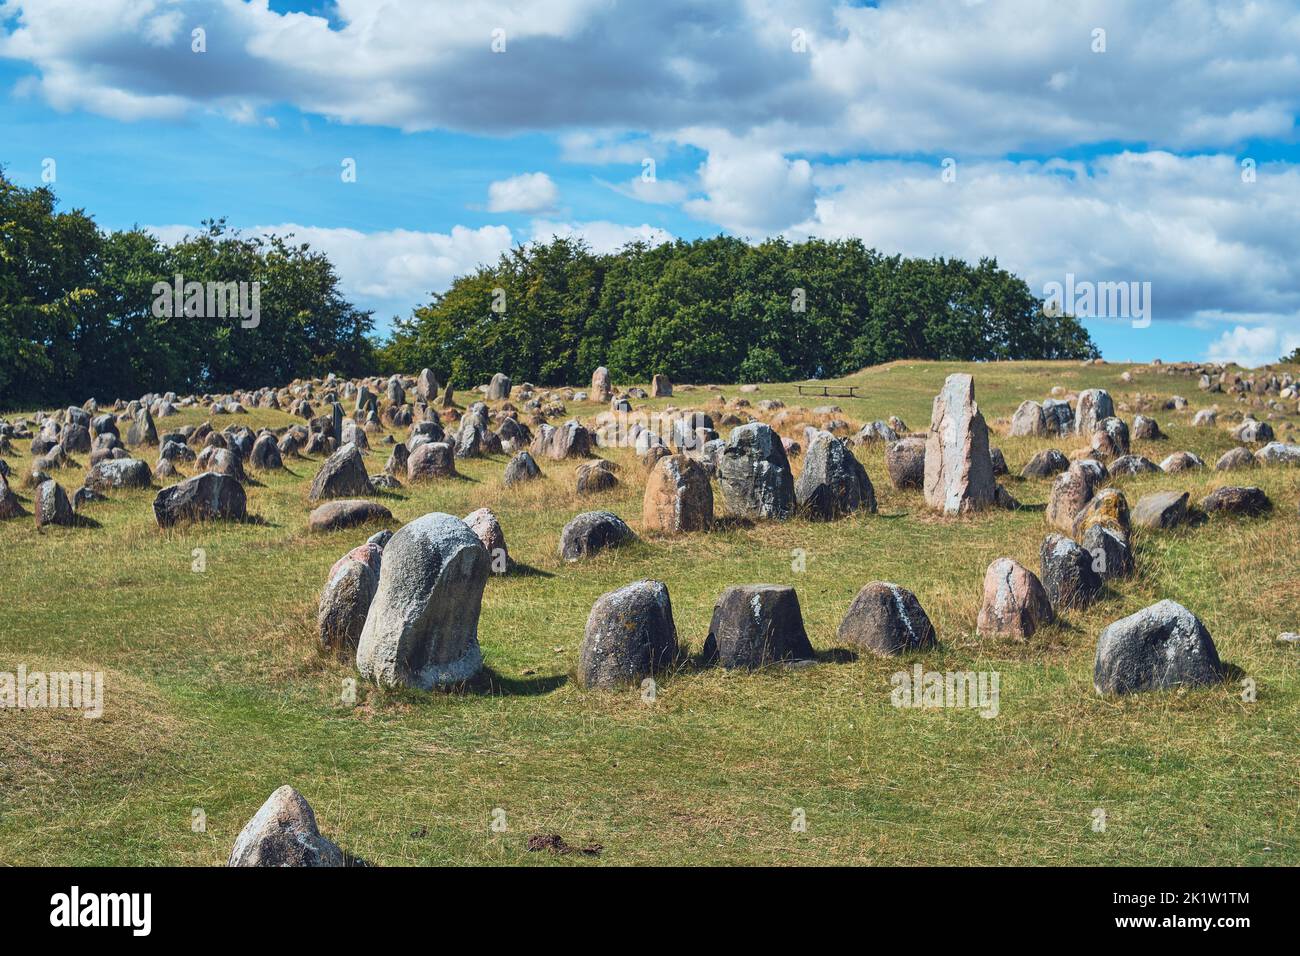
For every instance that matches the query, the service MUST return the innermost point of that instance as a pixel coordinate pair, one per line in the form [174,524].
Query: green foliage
[77,317]
[720,309]
[1293,357]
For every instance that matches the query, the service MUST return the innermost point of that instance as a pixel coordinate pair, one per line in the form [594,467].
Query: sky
[1080,143]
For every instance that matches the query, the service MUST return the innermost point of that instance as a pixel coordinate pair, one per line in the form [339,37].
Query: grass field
[216,694]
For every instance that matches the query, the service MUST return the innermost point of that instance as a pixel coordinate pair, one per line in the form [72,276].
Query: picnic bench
[840,391]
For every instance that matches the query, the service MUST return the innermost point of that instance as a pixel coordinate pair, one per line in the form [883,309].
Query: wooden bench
[840,391]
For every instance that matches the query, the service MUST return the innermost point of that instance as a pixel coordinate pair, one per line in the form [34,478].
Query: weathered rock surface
[592,532]
[754,625]
[958,470]
[119,473]
[51,505]
[887,620]
[345,601]
[422,628]
[630,635]
[1045,464]
[1236,500]
[487,528]
[284,833]
[1015,602]
[1068,575]
[346,513]
[1160,647]
[905,462]
[754,474]
[1161,509]
[341,475]
[521,468]
[205,497]
[678,497]
[833,482]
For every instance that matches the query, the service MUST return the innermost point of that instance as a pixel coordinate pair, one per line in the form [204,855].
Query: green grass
[216,694]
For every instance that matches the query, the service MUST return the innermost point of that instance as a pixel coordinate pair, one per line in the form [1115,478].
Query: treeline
[79,312]
[723,310]
[78,316]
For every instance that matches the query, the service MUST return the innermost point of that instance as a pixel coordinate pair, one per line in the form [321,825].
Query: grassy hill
[216,693]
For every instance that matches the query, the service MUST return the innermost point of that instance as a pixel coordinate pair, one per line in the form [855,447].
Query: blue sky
[1114,157]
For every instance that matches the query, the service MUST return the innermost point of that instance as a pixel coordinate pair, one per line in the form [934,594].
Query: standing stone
[1108,507]
[1068,574]
[1015,602]
[1146,429]
[345,602]
[630,635]
[10,506]
[114,473]
[1045,464]
[265,455]
[422,629]
[1161,509]
[601,390]
[205,497]
[499,387]
[1181,461]
[426,386]
[1111,555]
[142,430]
[342,475]
[905,462]
[1070,492]
[1059,416]
[1093,405]
[487,528]
[660,387]
[284,833]
[52,506]
[432,460]
[592,532]
[1110,439]
[755,474]
[596,476]
[887,620]
[1160,647]
[1235,459]
[519,469]
[678,497]
[958,469]
[754,625]
[1029,420]
[833,481]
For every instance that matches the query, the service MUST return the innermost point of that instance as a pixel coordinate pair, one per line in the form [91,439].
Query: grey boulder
[754,625]
[422,629]
[1160,647]
[630,636]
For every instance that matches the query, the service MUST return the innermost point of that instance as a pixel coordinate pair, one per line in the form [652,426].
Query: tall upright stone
[422,628]
[958,469]
[754,473]
[601,390]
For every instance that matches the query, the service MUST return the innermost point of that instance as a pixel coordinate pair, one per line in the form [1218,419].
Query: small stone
[346,513]
[284,833]
[1161,509]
